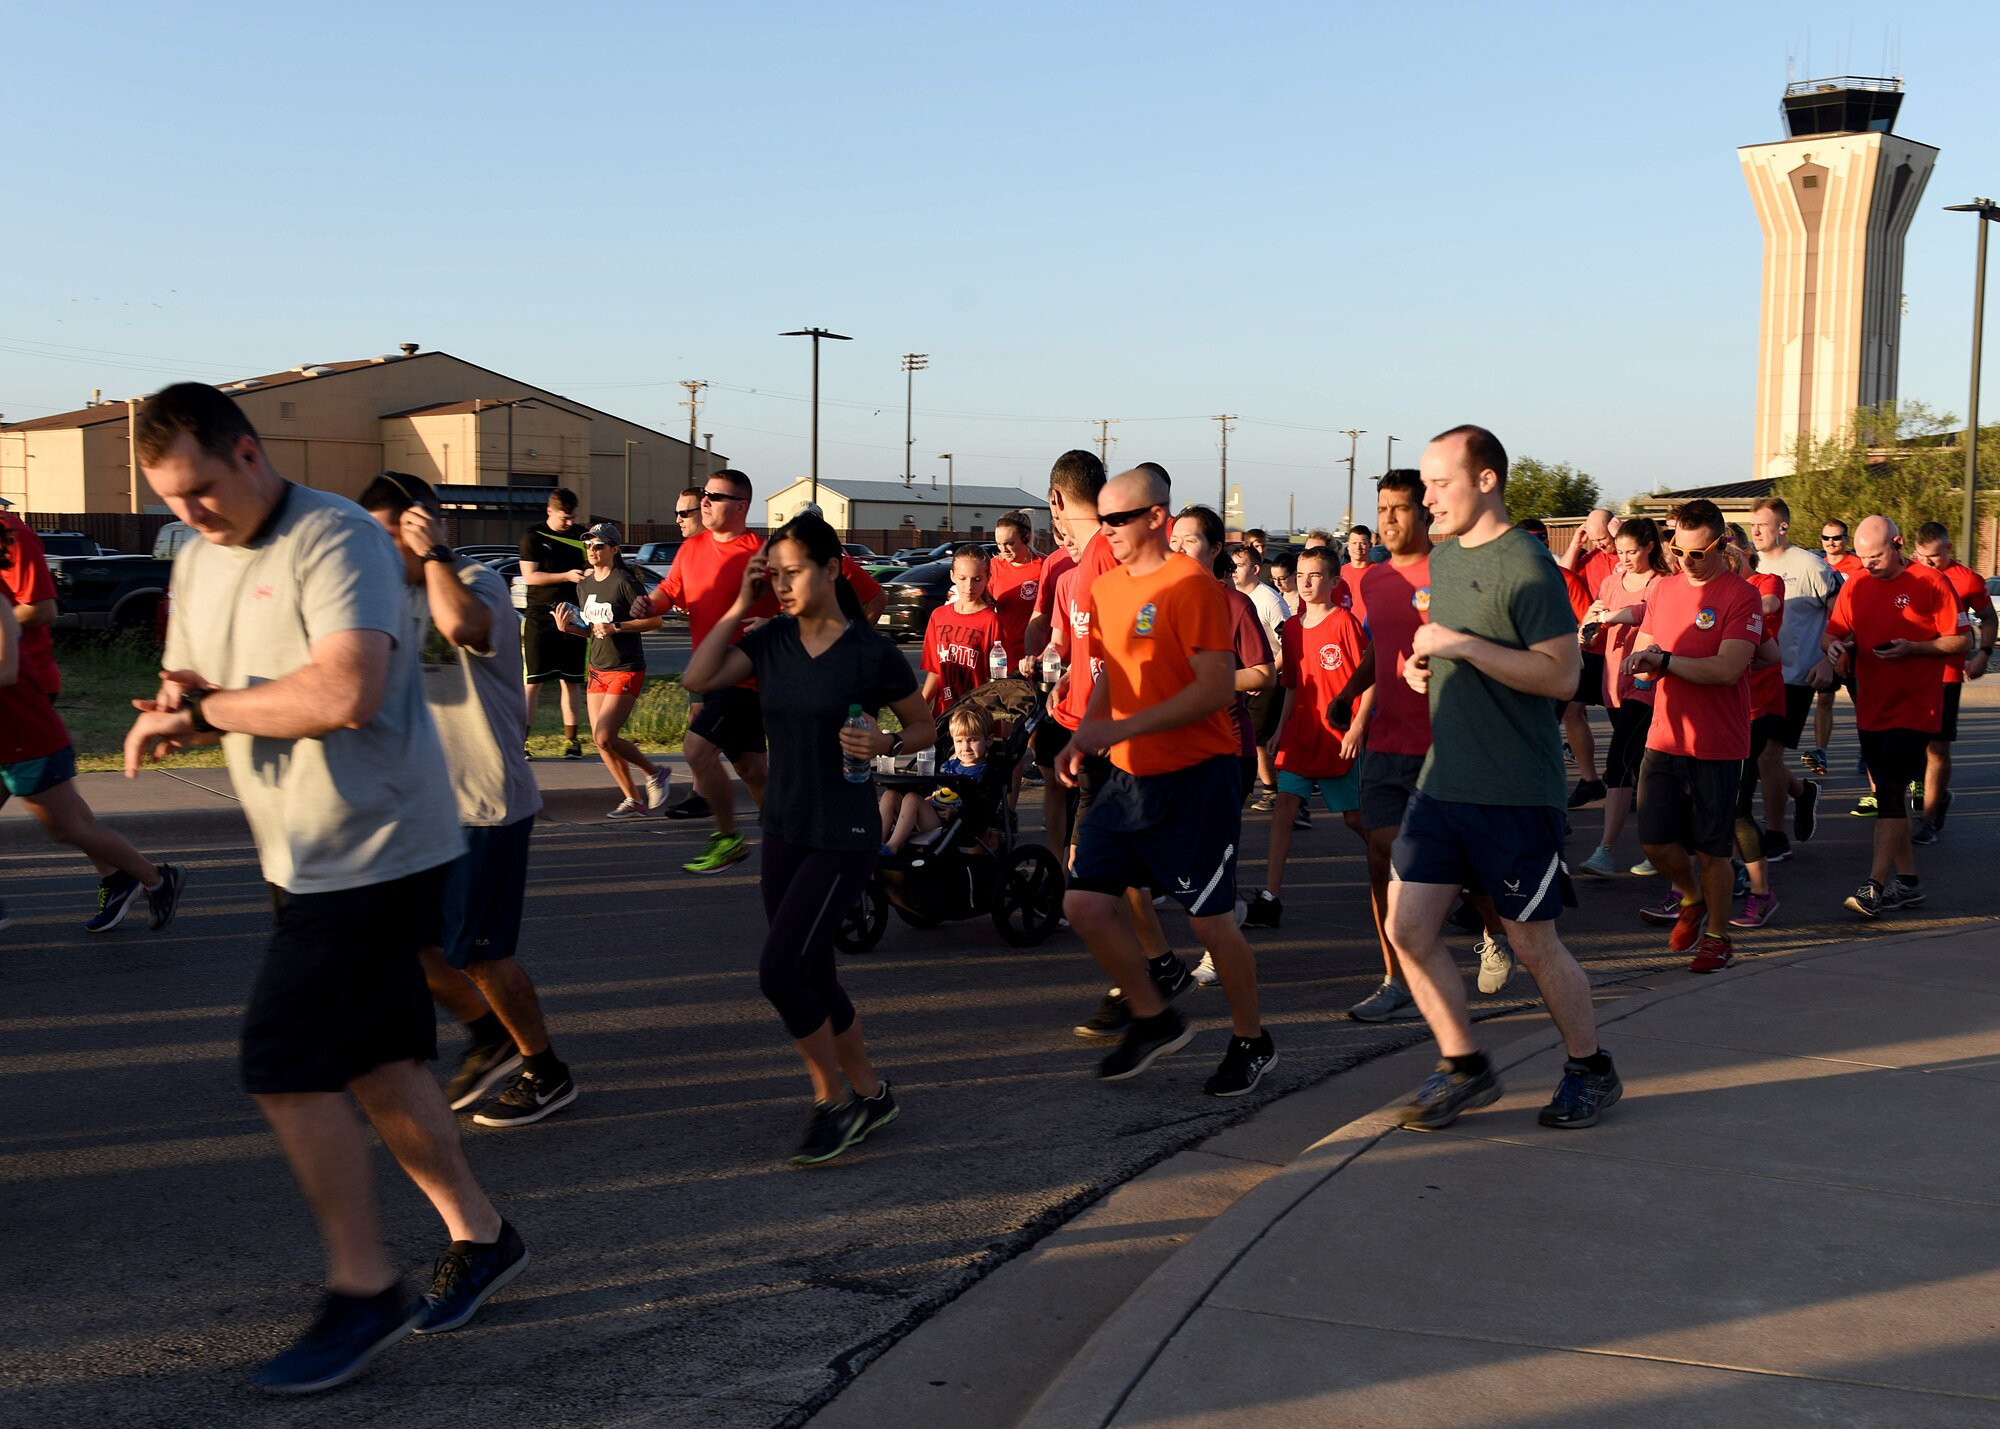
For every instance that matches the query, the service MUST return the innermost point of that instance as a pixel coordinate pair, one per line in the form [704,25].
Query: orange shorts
[616,682]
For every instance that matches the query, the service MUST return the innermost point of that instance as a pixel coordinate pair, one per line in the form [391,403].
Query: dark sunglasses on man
[1120,518]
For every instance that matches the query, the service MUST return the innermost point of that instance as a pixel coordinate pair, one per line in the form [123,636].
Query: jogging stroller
[973,864]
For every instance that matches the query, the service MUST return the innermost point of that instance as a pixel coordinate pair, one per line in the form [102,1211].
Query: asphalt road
[156,1249]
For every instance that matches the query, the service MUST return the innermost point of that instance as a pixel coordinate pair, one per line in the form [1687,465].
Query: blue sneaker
[466,1277]
[1581,1097]
[349,1332]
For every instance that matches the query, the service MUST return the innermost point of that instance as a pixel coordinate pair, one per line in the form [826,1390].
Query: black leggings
[1630,724]
[807,891]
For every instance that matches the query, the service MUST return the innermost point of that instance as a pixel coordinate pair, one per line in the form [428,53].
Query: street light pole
[913,363]
[693,404]
[1354,436]
[1389,460]
[816,333]
[950,496]
[629,444]
[1988,212]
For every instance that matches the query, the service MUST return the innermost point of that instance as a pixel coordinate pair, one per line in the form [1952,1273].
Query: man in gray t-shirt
[291,646]
[1810,587]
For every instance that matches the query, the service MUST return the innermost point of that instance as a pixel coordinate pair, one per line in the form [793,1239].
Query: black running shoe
[877,1111]
[1303,819]
[1145,1043]
[1901,895]
[1109,1022]
[572,750]
[116,893]
[165,900]
[1805,811]
[349,1332]
[1243,1066]
[1922,831]
[466,1277]
[692,807]
[1170,975]
[830,1131]
[1446,1093]
[1587,791]
[480,1070]
[1777,848]
[1581,1097]
[1867,899]
[528,1100]
[1266,911]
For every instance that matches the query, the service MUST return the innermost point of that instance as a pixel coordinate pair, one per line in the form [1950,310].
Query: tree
[1896,460]
[1545,489]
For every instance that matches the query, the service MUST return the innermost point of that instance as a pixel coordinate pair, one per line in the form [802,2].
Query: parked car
[862,554]
[106,590]
[657,553]
[918,556]
[913,595]
[486,552]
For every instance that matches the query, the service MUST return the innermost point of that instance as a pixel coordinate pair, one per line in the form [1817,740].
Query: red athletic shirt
[1073,604]
[1970,589]
[1319,660]
[1253,647]
[27,582]
[29,724]
[1897,694]
[956,649]
[1619,640]
[1692,621]
[1849,566]
[1767,686]
[1579,593]
[1351,576]
[1013,590]
[707,576]
[1592,571]
[1053,566]
[1398,599]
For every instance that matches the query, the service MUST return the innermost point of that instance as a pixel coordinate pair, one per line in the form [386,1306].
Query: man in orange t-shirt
[1167,813]
[1934,553]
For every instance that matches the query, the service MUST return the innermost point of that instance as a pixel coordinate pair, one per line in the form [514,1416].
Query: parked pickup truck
[103,590]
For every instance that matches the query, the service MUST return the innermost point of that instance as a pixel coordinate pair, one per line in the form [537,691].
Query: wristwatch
[895,744]
[191,702]
[438,553]
[1666,659]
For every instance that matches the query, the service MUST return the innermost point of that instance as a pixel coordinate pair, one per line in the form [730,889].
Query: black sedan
[913,595]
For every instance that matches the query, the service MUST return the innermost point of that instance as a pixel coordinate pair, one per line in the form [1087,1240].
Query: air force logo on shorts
[1704,619]
[1148,613]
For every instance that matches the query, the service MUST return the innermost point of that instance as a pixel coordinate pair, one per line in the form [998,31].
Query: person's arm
[462,618]
[1767,655]
[919,730]
[1212,688]
[10,647]
[1724,667]
[1356,737]
[1252,678]
[717,664]
[1549,667]
[531,574]
[927,691]
[43,612]
[1916,649]
[1772,604]
[1975,661]
[1037,637]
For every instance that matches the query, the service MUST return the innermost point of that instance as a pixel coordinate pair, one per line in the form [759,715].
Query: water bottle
[996,663]
[854,768]
[1051,667]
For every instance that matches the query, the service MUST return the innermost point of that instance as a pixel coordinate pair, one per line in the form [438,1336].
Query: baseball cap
[605,533]
[5,502]
[1536,527]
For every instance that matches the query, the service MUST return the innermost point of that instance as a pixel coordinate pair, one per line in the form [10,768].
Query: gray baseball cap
[604,532]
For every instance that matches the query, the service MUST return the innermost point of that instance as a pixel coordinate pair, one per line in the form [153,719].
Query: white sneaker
[1496,963]
[628,809]
[657,789]
[1644,869]
[1205,974]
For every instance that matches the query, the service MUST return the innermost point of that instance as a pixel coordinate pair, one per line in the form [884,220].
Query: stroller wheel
[1030,898]
[862,927]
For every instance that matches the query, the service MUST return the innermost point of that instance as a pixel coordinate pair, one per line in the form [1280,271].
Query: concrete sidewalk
[1790,1218]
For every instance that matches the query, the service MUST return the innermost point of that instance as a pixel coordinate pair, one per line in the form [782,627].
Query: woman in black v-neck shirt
[611,609]
[812,663]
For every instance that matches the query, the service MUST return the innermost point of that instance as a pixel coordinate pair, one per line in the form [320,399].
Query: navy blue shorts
[1510,852]
[480,918]
[1175,833]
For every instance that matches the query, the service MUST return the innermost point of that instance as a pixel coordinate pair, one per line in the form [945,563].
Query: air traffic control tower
[1835,199]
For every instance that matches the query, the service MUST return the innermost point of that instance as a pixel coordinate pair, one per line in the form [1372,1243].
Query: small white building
[851,506]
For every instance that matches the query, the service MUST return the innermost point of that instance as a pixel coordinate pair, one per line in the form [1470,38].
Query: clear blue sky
[1316,216]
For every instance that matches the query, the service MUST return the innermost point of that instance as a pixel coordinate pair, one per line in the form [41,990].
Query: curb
[1093,1387]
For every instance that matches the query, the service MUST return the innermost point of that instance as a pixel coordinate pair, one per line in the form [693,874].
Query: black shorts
[1631,722]
[1051,739]
[1590,684]
[1948,718]
[341,990]
[1510,852]
[548,653]
[1765,730]
[1266,708]
[1176,832]
[479,918]
[1689,801]
[1090,781]
[1388,783]
[1798,705]
[732,721]
[1895,758]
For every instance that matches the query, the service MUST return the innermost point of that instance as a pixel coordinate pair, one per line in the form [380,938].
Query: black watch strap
[438,553]
[191,702]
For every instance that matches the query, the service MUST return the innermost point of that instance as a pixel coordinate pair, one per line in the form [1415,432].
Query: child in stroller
[913,813]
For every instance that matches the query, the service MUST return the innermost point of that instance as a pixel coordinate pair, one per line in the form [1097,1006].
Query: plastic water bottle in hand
[996,663]
[1051,667]
[853,767]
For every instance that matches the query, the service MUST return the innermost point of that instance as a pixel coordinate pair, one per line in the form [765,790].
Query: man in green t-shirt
[1497,650]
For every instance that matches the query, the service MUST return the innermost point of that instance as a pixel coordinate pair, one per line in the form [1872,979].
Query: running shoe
[480,1070]
[1901,895]
[1866,900]
[1145,1042]
[829,1131]
[1267,797]
[1445,1094]
[1740,883]
[723,850]
[1712,955]
[1569,755]
[348,1332]
[1916,793]
[573,750]
[1687,927]
[657,789]
[528,751]
[1814,761]
[1496,963]
[1805,811]
[1599,864]
[1391,1002]
[1922,830]
[1864,807]
[528,1100]
[1170,975]
[117,891]
[165,901]
[1109,1022]
[466,1276]
[1587,791]
[877,1111]
[1666,910]
[692,807]
[628,809]
[1757,911]
[1581,1097]
[1644,869]
[1244,1063]
[1777,847]
[1205,974]
[1304,818]
[1266,910]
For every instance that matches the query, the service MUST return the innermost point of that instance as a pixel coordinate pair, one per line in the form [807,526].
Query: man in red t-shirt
[1574,714]
[1840,557]
[1893,630]
[1934,552]
[1013,582]
[1702,628]
[1360,541]
[32,592]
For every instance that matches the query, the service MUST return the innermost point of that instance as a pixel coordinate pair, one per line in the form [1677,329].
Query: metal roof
[921,494]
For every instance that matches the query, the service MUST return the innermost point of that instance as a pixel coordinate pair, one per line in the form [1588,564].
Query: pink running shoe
[1757,910]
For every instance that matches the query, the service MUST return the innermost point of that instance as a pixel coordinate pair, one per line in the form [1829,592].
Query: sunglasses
[1831,540]
[689,513]
[1120,518]
[718,498]
[599,546]
[1685,554]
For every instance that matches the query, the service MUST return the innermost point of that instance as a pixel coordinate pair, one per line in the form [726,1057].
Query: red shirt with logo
[1144,631]
[1593,571]
[707,576]
[1351,576]
[1619,639]
[1970,588]
[1073,608]
[27,582]
[1319,660]
[1767,686]
[1914,604]
[956,650]
[1013,590]
[1692,621]
[1398,599]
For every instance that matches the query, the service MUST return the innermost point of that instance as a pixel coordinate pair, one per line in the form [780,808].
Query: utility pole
[1222,501]
[1291,513]
[950,493]
[1103,440]
[816,333]
[693,404]
[1389,458]
[913,363]
[1354,436]
[1988,212]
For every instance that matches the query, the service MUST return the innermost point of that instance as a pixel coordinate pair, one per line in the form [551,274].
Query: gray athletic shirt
[480,712]
[356,806]
[1810,584]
